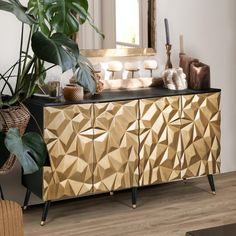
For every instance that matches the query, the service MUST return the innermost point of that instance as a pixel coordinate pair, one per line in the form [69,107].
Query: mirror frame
[150,51]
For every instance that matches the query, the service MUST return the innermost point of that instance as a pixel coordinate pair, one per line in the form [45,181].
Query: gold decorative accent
[160,144]
[42,223]
[121,52]
[200,134]
[116,145]
[68,133]
[168,53]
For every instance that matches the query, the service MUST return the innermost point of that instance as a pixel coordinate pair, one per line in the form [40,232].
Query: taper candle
[167,31]
[181,43]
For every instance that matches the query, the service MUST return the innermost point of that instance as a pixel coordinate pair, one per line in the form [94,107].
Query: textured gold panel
[200,134]
[160,144]
[68,133]
[116,145]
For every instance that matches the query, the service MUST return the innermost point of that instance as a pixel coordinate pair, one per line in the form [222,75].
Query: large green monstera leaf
[57,49]
[29,149]
[59,15]
[15,7]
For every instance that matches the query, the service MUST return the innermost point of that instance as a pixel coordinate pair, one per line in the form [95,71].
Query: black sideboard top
[120,95]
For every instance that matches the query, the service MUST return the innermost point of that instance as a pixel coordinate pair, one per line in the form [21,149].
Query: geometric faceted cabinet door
[68,133]
[160,143]
[200,133]
[116,145]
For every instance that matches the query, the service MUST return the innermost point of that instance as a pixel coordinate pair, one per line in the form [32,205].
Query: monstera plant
[46,30]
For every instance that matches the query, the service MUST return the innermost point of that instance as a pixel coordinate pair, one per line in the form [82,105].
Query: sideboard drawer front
[68,133]
[116,145]
[160,144]
[200,134]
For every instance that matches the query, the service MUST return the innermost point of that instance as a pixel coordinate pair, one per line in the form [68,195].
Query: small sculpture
[175,79]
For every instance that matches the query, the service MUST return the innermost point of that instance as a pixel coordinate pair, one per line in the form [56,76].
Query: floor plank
[165,210]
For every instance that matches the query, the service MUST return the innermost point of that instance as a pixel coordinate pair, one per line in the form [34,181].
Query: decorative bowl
[73,92]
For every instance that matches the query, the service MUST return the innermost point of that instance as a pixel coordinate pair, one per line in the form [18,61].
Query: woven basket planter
[13,117]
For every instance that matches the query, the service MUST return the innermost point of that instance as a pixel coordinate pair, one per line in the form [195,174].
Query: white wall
[209,31]
[209,34]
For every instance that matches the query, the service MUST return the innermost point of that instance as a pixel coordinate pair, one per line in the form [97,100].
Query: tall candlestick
[168,53]
[181,44]
[167,31]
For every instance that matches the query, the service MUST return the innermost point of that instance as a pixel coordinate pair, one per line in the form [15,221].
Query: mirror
[129,27]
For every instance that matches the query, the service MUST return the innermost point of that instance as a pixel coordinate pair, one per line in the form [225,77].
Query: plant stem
[19,67]
[8,77]
[8,84]
[50,67]
[27,48]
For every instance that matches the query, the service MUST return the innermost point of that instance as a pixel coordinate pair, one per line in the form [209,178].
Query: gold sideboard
[124,139]
[104,147]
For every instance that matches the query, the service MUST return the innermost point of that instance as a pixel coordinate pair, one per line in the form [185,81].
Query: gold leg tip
[111,193]
[213,192]
[134,206]
[42,223]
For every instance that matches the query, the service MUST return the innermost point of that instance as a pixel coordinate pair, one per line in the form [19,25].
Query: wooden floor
[167,209]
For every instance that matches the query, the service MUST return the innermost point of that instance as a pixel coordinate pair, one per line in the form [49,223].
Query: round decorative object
[13,117]
[73,92]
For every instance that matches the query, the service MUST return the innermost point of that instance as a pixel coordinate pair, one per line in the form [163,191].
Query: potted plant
[51,25]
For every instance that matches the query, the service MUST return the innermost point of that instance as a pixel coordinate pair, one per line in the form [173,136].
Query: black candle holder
[132,72]
[168,53]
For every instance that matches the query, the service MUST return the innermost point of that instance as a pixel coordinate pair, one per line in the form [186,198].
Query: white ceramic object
[175,79]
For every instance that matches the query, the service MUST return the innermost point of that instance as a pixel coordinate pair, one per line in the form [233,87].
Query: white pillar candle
[150,64]
[114,66]
[131,66]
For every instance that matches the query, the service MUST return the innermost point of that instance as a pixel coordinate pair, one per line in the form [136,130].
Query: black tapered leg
[212,184]
[1,193]
[27,198]
[134,197]
[45,212]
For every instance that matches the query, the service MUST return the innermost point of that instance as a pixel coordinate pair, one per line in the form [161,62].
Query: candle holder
[151,70]
[150,65]
[132,71]
[114,66]
[168,53]
[112,73]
